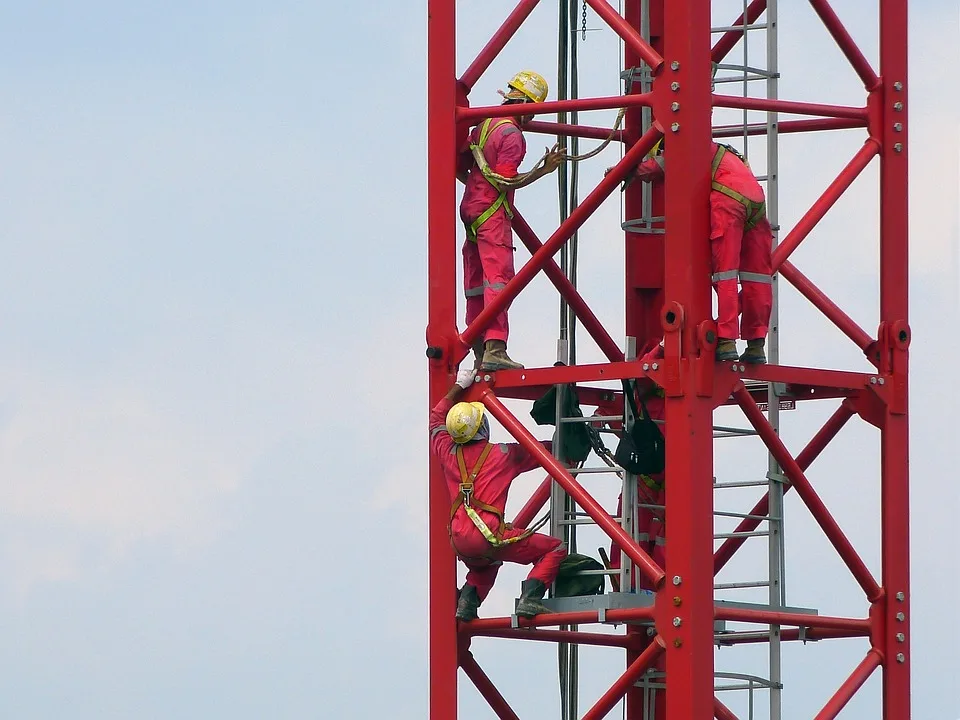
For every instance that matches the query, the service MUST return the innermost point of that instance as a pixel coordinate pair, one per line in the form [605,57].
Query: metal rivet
[677,622]
[677,601]
[675,127]
[675,106]
[881,381]
[674,86]
[486,378]
[900,596]
[646,366]
[677,579]
[901,617]
[675,65]
[873,381]
[898,106]
[897,127]
[898,86]
[901,658]
[656,366]
[901,637]
[677,642]
[898,147]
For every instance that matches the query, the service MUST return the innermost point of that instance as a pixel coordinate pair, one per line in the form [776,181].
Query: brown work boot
[477,354]
[754,353]
[495,357]
[727,350]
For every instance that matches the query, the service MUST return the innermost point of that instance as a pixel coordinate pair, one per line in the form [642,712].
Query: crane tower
[668,616]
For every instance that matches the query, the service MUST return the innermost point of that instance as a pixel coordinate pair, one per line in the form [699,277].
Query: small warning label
[784,405]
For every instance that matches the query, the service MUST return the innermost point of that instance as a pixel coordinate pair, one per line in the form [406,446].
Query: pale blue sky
[212,390]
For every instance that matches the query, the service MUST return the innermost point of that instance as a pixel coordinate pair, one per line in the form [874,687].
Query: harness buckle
[466,489]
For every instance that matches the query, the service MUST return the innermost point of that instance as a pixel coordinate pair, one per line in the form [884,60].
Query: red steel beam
[825,305]
[730,38]
[561,235]
[790,126]
[582,617]
[627,33]
[558,636]
[850,686]
[534,504]
[489,691]
[476,114]
[498,42]
[721,711]
[806,492]
[804,460]
[569,293]
[772,617]
[826,201]
[849,48]
[789,106]
[441,332]
[648,567]
[580,131]
[894,311]
[637,668]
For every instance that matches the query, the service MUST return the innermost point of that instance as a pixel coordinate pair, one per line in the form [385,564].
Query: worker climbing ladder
[689,608]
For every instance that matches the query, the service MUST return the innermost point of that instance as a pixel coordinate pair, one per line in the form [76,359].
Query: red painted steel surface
[666,273]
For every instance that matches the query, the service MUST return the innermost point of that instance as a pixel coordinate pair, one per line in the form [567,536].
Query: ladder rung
[594,470]
[595,418]
[741,585]
[757,533]
[741,484]
[724,513]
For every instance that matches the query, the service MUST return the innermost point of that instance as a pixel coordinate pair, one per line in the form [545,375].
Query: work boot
[467,603]
[495,357]
[754,353]
[727,350]
[477,354]
[531,593]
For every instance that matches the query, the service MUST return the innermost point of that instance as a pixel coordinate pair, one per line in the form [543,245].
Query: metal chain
[583,22]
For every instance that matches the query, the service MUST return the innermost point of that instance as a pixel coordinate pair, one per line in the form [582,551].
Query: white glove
[465,378]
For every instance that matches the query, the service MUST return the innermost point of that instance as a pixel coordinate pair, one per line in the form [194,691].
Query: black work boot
[727,350]
[754,353]
[467,603]
[531,593]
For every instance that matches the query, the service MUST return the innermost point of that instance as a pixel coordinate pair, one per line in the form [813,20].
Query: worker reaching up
[478,475]
[488,165]
[741,245]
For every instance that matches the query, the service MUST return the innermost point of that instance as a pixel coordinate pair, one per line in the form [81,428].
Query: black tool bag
[642,450]
[575,437]
[570,583]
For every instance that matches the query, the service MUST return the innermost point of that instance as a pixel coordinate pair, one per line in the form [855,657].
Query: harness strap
[756,211]
[466,500]
[486,129]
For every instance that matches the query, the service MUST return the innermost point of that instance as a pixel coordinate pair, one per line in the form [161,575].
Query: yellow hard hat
[527,85]
[463,421]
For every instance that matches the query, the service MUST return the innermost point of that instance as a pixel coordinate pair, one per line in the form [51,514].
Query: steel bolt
[677,579]
[677,622]
[901,658]
[677,642]
[897,127]
[901,637]
[901,617]
[675,106]
[675,127]
[898,86]
[881,381]
[898,147]
[486,378]
[674,86]
[900,596]
[873,381]
[656,366]
[898,106]
[646,366]
[675,65]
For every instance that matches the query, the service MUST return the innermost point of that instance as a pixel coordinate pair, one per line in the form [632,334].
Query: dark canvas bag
[642,450]
[571,584]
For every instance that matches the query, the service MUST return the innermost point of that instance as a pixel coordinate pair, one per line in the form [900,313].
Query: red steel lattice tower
[677,304]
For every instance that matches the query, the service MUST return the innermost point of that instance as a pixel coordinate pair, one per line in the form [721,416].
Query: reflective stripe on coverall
[488,256]
[491,485]
[741,244]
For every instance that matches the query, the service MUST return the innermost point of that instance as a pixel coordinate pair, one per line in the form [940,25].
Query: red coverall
[488,260]
[741,243]
[502,465]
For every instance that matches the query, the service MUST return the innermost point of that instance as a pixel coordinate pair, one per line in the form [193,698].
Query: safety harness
[756,211]
[471,504]
[486,128]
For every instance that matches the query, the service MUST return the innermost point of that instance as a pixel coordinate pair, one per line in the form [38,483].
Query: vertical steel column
[686,623]
[895,336]
[441,338]
[776,540]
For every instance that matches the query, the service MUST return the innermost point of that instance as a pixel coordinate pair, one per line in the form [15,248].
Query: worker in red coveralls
[488,165]
[478,475]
